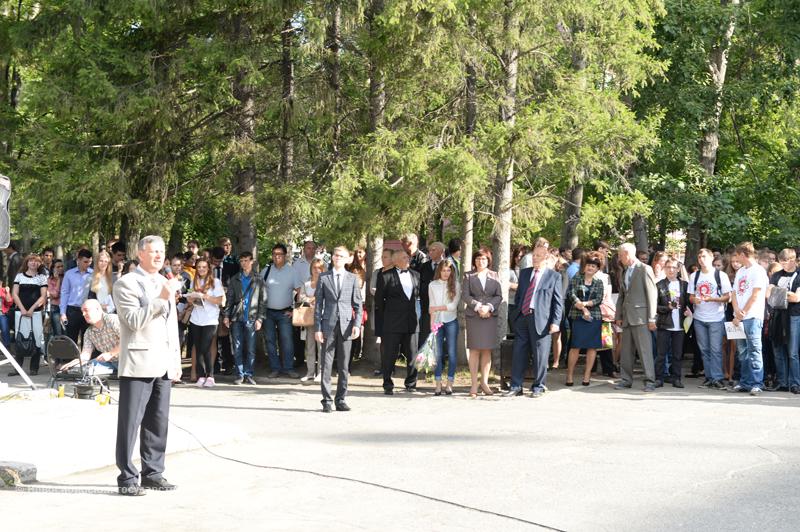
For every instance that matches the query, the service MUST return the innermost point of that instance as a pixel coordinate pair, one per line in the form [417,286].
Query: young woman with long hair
[444,294]
[206,296]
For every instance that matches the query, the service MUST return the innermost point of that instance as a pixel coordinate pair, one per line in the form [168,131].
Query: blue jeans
[787,359]
[709,336]
[449,333]
[244,332]
[5,333]
[752,364]
[283,322]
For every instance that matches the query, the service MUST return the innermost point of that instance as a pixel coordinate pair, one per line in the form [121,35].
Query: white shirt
[405,280]
[709,311]
[482,278]
[438,296]
[302,269]
[747,279]
[208,313]
[675,295]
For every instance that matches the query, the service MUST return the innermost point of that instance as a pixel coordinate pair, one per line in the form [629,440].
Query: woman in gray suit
[482,295]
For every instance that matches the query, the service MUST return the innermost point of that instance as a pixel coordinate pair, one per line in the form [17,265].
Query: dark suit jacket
[228,271]
[472,292]
[664,317]
[548,300]
[342,308]
[399,312]
[426,272]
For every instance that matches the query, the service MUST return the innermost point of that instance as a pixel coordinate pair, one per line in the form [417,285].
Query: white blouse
[437,293]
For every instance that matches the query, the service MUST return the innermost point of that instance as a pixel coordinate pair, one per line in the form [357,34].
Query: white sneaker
[209,383]
[200,382]
[318,377]
[307,378]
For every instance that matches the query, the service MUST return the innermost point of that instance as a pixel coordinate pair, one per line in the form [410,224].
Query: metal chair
[61,349]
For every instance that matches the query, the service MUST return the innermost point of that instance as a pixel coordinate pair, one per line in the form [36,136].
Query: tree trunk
[572,212]
[640,233]
[175,244]
[287,101]
[377,103]
[573,200]
[332,46]
[374,251]
[504,178]
[244,229]
[709,139]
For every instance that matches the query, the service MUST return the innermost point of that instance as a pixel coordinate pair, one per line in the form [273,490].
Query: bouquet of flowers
[426,356]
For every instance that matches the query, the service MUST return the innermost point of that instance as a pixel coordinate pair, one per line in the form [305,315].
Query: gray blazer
[637,303]
[344,308]
[472,292]
[148,327]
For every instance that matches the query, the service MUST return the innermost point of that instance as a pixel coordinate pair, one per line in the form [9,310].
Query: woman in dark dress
[585,294]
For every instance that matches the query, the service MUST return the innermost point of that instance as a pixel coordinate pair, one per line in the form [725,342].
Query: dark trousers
[669,343]
[424,328]
[393,344]
[143,408]
[528,342]
[76,325]
[336,345]
[202,335]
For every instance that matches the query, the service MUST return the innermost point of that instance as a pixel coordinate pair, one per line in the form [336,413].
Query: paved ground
[575,459]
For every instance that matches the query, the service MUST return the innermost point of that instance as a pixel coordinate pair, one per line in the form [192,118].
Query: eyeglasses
[278,254]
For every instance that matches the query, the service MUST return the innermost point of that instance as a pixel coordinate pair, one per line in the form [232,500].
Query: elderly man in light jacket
[149,360]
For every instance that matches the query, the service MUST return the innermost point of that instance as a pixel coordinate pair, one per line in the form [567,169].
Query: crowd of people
[310,310]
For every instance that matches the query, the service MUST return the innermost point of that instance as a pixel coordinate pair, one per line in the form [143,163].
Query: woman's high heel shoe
[473,392]
[438,391]
[449,389]
[486,390]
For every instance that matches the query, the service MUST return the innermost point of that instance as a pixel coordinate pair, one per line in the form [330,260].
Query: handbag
[607,335]
[25,345]
[778,298]
[303,317]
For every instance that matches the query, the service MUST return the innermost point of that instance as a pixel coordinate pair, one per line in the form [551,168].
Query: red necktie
[526,301]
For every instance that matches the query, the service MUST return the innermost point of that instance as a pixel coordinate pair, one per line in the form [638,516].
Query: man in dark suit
[149,359]
[540,305]
[426,272]
[337,320]
[224,271]
[396,297]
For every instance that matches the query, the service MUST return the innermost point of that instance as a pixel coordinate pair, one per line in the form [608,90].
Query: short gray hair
[628,248]
[439,245]
[150,239]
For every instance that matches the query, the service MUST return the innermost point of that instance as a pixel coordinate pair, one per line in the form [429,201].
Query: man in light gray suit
[149,360]
[337,321]
[636,314]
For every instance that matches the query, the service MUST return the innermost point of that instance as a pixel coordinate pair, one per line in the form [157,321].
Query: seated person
[101,337]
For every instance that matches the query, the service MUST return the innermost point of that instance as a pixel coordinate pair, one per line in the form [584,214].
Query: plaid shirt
[578,291]
[104,339]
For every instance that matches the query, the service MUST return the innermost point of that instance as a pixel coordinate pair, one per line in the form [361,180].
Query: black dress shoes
[341,406]
[132,491]
[326,408]
[513,392]
[388,392]
[160,484]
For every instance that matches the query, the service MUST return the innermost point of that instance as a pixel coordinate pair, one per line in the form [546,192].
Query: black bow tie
[402,271]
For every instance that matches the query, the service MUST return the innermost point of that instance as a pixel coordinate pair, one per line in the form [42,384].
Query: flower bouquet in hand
[426,356]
